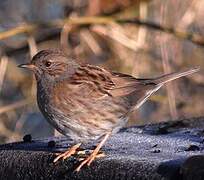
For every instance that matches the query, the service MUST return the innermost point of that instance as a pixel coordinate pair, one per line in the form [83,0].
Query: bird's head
[51,65]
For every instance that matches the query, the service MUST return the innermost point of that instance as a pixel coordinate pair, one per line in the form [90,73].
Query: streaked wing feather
[127,84]
[98,82]
[95,81]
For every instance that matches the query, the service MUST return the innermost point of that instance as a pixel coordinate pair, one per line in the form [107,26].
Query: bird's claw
[89,159]
[68,153]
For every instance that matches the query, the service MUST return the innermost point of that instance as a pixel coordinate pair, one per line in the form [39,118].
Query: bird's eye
[47,63]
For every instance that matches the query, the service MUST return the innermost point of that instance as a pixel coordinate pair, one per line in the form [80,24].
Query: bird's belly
[84,130]
[84,120]
[87,121]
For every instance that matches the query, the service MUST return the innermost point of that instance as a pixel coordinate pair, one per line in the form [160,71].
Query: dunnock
[87,102]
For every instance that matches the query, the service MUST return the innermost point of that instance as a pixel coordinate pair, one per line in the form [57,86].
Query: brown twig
[114,32]
[91,42]
[32,46]
[167,69]
[28,28]
[64,37]
[15,105]
[3,67]
[33,50]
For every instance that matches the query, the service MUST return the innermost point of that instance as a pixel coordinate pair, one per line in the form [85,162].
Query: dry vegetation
[161,36]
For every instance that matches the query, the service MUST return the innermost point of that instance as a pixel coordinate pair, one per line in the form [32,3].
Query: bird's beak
[28,66]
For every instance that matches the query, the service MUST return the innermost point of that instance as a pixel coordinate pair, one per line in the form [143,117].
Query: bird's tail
[172,76]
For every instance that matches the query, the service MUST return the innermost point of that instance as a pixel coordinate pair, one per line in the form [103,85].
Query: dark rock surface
[172,150]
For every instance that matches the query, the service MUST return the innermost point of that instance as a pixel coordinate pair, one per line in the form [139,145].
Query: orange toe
[67,153]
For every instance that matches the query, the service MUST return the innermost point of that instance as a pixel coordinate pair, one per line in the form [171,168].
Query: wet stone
[138,152]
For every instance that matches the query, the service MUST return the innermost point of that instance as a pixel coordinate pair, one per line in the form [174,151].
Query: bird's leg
[93,155]
[67,153]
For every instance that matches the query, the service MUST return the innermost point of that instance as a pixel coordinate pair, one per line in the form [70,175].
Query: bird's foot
[67,153]
[88,160]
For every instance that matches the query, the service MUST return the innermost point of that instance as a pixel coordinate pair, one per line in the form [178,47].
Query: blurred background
[170,39]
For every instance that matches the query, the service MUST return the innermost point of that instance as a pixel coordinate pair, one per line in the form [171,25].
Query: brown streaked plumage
[87,102]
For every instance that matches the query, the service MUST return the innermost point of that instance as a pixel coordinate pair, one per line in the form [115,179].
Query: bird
[86,102]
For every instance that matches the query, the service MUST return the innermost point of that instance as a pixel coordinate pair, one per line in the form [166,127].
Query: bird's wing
[97,82]
[127,84]
[94,81]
